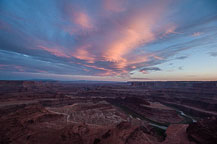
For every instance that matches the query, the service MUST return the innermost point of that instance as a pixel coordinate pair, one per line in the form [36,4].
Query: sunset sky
[116,40]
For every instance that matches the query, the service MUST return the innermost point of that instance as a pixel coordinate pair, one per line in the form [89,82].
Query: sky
[108,40]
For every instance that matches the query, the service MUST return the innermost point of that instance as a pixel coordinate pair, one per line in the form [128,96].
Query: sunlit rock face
[176,134]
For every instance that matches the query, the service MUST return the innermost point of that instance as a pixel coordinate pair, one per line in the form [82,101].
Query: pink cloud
[196,34]
[5,26]
[79,19]
[55,51]
[132,36]
[107,44]
[82,19]
[170,30]
[118,40]
[19,68]
[144,71]
[114,5]
[82,53]
[134,32]
[13,67]
[41,71]
[2,66]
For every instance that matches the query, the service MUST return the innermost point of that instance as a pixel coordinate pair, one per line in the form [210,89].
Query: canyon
[108,113]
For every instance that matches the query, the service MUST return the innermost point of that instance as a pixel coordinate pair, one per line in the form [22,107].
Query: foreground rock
[176,134]
[204,131]
[34,124]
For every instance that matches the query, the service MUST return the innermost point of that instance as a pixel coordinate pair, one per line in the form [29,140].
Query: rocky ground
[117,113]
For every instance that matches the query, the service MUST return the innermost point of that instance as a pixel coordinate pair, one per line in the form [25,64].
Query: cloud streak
[148,69]
[214,54]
